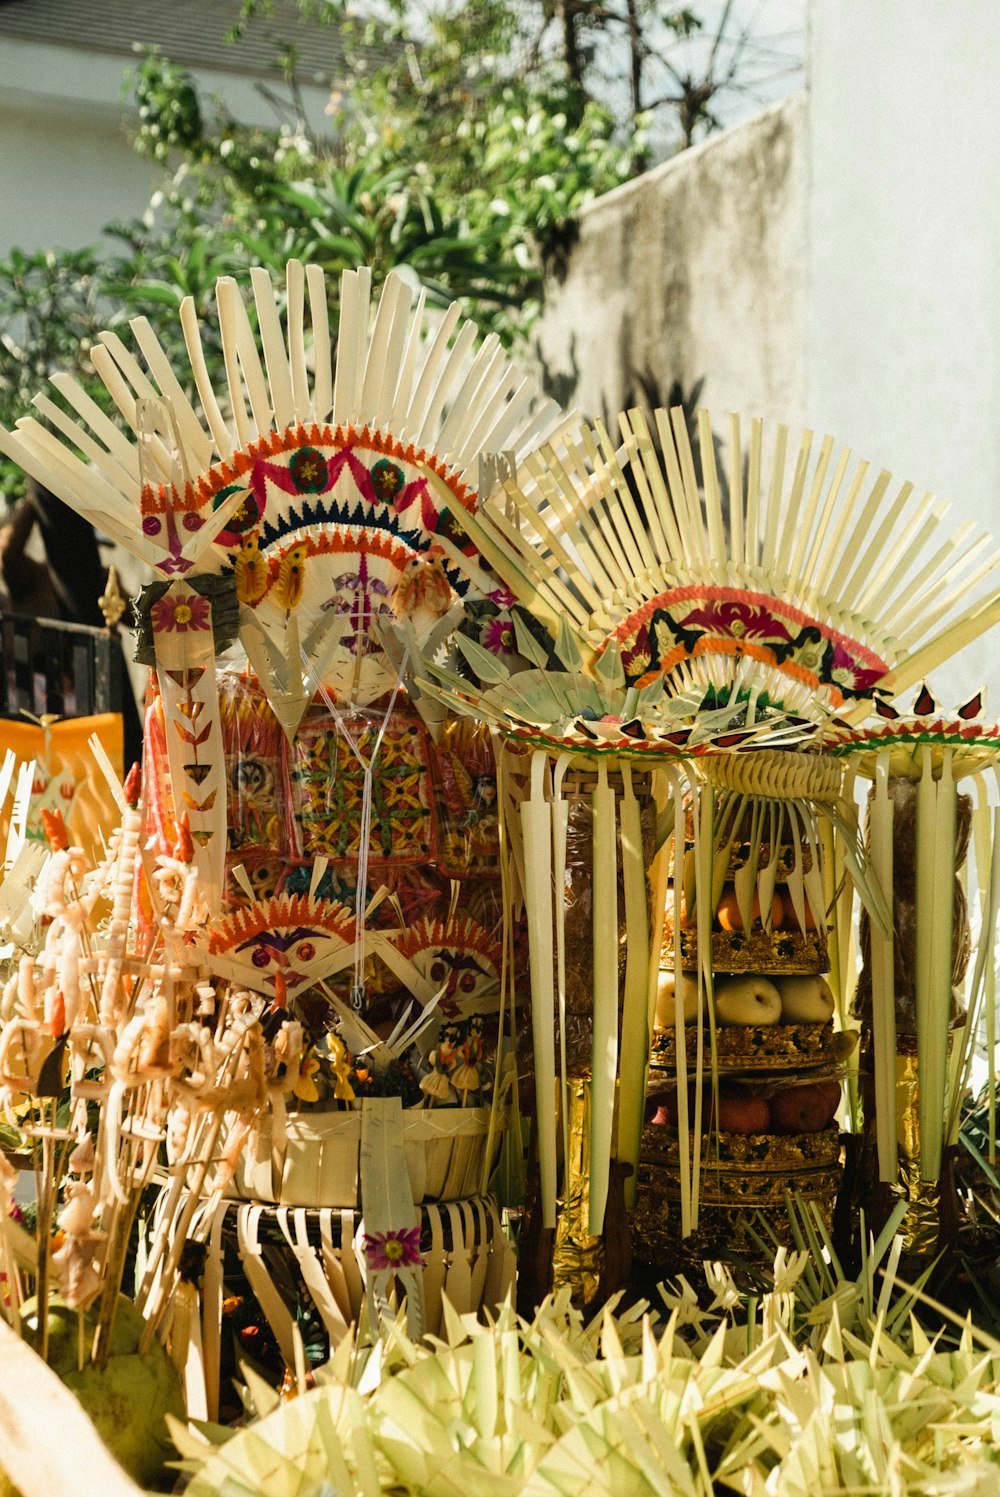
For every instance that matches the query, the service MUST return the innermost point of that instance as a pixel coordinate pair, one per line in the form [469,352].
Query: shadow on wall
[644,390]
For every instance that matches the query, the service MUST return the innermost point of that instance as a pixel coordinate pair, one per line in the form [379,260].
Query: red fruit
[729,916]
[184,847]
[804,1109]
[832,1091]
[667,1109]
[739,1111]
[744,1114]
[133,782]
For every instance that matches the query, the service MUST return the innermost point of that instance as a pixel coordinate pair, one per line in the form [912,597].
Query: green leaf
[487,666]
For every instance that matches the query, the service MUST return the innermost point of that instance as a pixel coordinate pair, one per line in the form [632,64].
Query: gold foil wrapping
[920,1226]
[577,1257]
[781,951]
[779,1155]
[744,1177]
[728,1227]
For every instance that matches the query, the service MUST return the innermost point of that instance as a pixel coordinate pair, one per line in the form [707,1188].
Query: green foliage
[169,108]
[459,158]
[49,317]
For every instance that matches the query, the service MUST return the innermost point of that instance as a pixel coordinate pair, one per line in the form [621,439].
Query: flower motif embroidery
[387,479]
[392,1250]
[638,656]
[243,519]
[737,620]
[188,611]
[308,471]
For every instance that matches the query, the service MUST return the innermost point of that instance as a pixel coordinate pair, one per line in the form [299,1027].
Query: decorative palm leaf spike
[920,757]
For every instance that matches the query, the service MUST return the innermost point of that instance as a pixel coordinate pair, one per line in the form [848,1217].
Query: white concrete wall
[902,326]
[67,167]
[693,272]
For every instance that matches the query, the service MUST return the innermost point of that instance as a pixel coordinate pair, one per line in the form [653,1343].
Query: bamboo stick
[772,517]
[883,984]
[197,439]
[403,393]
[736,501]
[227,294]
[295,322]
[636,1028]
[536,831]
[206,394]
[272,340]
[560,829]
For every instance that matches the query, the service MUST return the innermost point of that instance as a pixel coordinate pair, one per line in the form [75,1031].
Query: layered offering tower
[501,799]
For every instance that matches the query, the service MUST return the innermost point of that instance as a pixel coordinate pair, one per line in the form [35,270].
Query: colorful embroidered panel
[326,777]
[688,622]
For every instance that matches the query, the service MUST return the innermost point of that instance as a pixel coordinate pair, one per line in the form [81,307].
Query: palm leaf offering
[818,587]
[301,907]
[821,1383]
[482,742]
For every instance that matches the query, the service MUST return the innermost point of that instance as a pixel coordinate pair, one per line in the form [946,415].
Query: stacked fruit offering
[768,1119]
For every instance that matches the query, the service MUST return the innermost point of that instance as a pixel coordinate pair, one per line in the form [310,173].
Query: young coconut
[747,1000]
[129,1397]
[805,1000]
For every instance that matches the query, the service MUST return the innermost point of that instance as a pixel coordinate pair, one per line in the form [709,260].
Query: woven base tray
[764,1047]
[316,1163]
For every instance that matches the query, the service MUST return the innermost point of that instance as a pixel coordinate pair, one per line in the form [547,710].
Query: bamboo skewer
[560,829]
[883,987]
[536,824]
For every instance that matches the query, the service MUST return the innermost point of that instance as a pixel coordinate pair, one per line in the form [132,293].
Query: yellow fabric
[93,809]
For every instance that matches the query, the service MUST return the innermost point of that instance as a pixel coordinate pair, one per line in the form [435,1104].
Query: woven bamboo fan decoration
[814,583]
[667,614]
[309,852]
